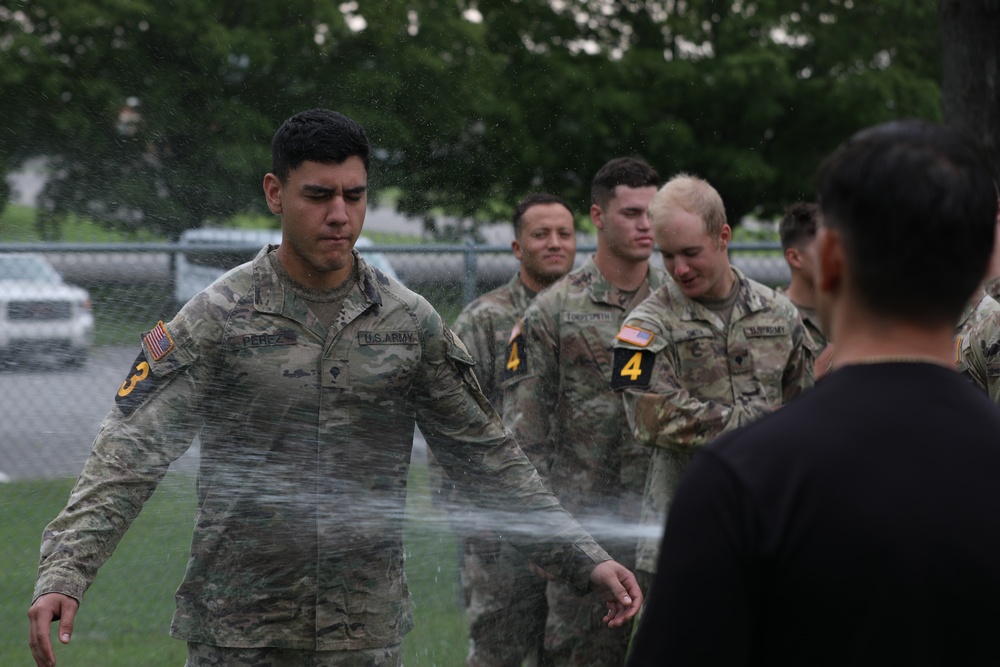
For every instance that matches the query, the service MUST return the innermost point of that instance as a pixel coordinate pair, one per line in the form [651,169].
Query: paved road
[49,417]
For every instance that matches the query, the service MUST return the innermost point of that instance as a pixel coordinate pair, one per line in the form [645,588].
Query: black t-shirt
[860,524]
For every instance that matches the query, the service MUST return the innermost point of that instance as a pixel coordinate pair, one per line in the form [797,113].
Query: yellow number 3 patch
[142,372]
[632,368]
[137,386]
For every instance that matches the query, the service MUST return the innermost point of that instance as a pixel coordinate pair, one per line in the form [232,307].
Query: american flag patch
[158,341]
[515,332]
[635,335]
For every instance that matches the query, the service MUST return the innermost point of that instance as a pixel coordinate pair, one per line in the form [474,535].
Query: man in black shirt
[859,524]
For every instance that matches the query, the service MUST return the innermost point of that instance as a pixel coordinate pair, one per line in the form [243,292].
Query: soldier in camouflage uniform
[980,307]
[978,354]
[505,600]
[559,406]
[798,238]
[992,282]
[304,372]
[709,351]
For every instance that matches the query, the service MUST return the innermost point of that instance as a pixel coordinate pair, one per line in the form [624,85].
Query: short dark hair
[915,205]
[534,199]
[628,171]
[798,225]
[316,135]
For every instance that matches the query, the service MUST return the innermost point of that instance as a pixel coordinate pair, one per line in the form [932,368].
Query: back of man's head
[693,195]
[798,225]
[534,199]
[317,135]
[915,205]
[628,171]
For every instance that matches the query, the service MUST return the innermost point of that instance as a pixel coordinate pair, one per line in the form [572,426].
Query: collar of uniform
[601,289]
[270,295]
[747,301]
[520,296]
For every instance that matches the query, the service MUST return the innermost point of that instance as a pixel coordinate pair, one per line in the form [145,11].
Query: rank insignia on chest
[632,368]
[635,336]
[740,361]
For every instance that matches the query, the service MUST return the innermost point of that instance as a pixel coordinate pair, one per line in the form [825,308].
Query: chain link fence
[55,396]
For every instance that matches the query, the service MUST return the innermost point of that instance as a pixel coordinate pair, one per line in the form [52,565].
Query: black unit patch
[137,386]
[632,368]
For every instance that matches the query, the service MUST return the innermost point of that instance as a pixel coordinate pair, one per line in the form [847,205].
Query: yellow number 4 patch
[513,361]
[517,360]
[632,368]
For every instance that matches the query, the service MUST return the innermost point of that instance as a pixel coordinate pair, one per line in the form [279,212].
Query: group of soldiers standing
[610,376]
[305,371]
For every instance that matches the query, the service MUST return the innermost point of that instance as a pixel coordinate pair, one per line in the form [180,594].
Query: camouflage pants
[504,602]
[576,635]
[665,472]
[206,655]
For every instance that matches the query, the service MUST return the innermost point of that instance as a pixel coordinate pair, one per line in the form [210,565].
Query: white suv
[40,313]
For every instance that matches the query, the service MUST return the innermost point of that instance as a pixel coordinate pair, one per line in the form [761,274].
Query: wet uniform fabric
[306,436]
[810,318]
[977,352]
[856,526]
[504,601]
[572,426]
[980,307]
[685,377]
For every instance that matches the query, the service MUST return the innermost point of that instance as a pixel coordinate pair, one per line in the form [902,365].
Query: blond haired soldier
[709,351]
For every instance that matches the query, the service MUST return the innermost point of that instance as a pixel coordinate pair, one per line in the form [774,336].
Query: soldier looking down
[709,351]
[303,371]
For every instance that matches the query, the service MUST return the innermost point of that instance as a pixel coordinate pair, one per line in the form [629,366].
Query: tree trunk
[970,80]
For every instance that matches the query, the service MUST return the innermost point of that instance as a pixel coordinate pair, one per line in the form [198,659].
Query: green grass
[125,616]
[17,225]
[123,312]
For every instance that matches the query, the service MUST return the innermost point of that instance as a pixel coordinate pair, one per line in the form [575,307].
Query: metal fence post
[470,278]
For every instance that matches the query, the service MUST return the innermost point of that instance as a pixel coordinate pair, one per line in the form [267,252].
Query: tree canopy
[154,117]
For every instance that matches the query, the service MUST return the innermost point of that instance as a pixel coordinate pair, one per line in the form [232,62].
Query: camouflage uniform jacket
[992,287]
[485,325]
[686,378]
[810,319]
[978,308]
[978,352]
[306,435]
[559,405]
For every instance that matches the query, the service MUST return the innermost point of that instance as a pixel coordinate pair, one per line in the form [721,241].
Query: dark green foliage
[465,115]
